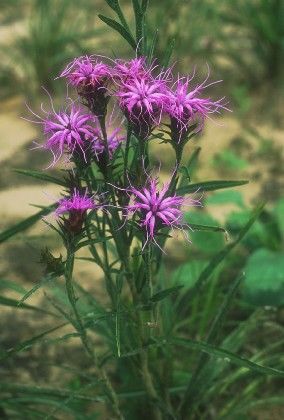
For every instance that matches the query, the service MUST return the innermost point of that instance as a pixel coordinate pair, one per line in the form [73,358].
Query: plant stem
[83,336]
[146,374]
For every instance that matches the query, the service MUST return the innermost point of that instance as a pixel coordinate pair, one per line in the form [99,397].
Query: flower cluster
[146,96]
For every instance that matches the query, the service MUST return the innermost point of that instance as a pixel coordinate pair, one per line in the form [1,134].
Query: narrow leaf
[25,345]
[165,293]
[34,289]
[196,385]
[41,175]
[11,285]
[207,228]
[227,355]
[188,169]
[5,301]
[209,186]
[120,29]
[214,263]
[93,241]
[24,224]
[168,52]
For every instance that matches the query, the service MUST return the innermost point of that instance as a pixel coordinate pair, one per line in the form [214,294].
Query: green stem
[82,332]
[126,153]
[146,374]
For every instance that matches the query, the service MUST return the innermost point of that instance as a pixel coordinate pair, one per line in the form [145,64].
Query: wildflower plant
[115,207]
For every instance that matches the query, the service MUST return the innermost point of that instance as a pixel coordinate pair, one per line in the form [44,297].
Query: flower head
[84,72]
[75,207]
[184,105]
[142,100]
[114,139]
[156,208]
[76,203]
[135,68]
[90,76]
[68,131]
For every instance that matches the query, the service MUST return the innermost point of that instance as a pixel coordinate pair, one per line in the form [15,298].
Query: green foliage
[258,27]
[226,197]
[159,340]
[264,281]
[229,161]
[56,33]
[206,241]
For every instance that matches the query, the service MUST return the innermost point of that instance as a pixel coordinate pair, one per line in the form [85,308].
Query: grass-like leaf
[264,402]
[12,285]
[193,386]
[214,263]
[226,355]
[24,224]
[209,186]
[5,301]
[25,345]
[41,175]
[120,29]
[165,293]
[207,228]
[34,289]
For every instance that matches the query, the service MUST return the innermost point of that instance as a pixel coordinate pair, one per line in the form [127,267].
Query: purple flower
[86,72]
[114,139]
[156,208]
[184,105]
[76,203]
[135,68]
[69,132]
[142,100]
[91,77]
[76,207]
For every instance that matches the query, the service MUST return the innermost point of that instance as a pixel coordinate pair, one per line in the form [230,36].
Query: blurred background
[243,44]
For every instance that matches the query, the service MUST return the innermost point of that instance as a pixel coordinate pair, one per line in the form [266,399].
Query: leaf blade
[25,224]
[209,186]
[40,175]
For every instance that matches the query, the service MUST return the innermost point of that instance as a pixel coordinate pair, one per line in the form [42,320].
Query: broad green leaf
[227,356]
[165,293]
[264,280]
[209,186]
[24,224]
[41,175]
[120,29]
